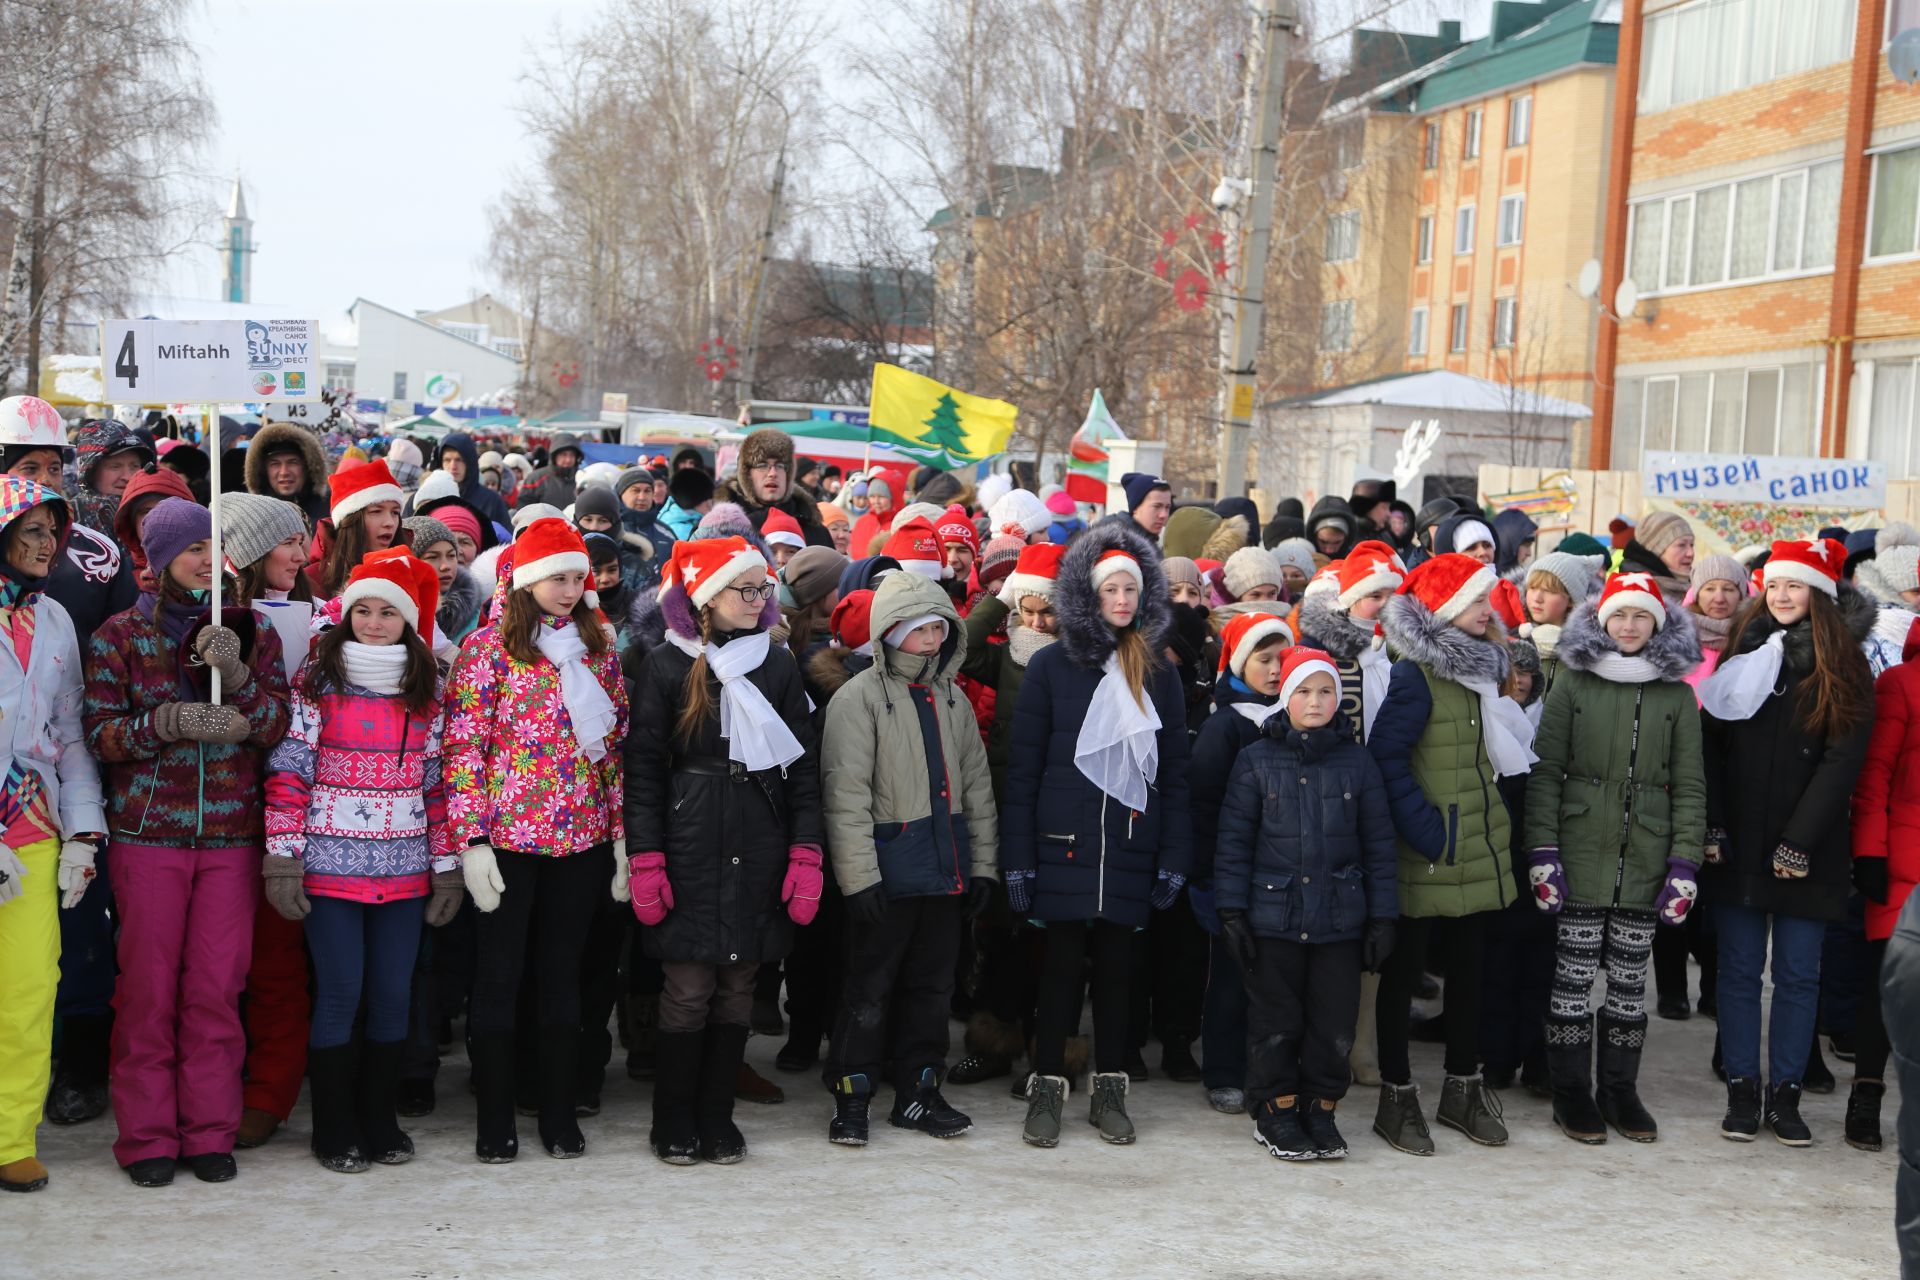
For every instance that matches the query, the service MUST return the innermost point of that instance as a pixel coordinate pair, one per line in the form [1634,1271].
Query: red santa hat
[917,548]
[852,621]
[1035,573]
[358,485]
[955,527]
[397,577]
[782,530]
[1448,583]
[705,568]
[1506,602]
[1117,561]
[1247,632]
[1817,563]
[1632,591]
[1326,580]
[1301,663]
[1368,568]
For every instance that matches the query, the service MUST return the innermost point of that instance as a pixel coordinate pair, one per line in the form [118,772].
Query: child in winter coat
[1615,816]
[1304,803]
[536,711]
[1789,711]
[726,828]
[356,843]
[184,778]
[1095,831]
[911,826]
[364,517]
[50,800]
[458,614]
[1556,584]
[1444,736]
[1340,617]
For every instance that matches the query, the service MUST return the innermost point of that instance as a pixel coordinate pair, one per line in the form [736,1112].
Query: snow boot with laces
[1107,1109]
[1399,1121]
[1468,1105]
[852,1097]
[1046,1099]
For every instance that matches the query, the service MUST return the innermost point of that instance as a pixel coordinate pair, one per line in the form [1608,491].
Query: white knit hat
[1251,567]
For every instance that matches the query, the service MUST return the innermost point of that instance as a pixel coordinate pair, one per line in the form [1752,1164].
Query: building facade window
[399,386]
[1890,433]
[1423,240]
[1902,15]
[1417,332]
[1336,326]
[1506,321]
[339,375]
[1430,147]
[1769,409]
[1513,219]
[1520,121]
[1471,148]
[1779,224]
[1464,226]
[1347,140]
[1343,236]
[1711,47]
[1896,204]
[1457,328]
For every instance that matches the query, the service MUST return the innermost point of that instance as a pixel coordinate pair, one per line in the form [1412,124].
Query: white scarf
[1624,668]
[1739,686]
[588,705]
[1376,673]
[1258,712]
[1509,734]
[756,735]
[1119,745]
[377,668]
[1024,642]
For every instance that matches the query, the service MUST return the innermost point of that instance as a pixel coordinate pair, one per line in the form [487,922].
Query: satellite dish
[1626,298]
[1903,56]
[1589,281]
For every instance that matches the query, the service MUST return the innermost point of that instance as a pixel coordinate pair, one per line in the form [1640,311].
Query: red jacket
[1886,798]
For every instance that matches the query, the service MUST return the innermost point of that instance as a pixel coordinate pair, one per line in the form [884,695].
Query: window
[339,375]
[1423,240]
[1768,410]
[1513,219]
[1463,229]
[1347,140]
[1712,47]
[1890,433]
[1472,149]
[1343,236]
[1430,147]
[1520,121]
[1506,319]
[1417,332]
[399,386]
[1457,329]
[1774,225]
[1336,326]
[1896,204]
[1901,15]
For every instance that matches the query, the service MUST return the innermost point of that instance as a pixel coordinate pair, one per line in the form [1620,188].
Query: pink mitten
[801,889]
[652,895]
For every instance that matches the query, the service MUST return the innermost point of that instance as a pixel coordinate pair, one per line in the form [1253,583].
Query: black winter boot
[721,1141]
[337,1143]
[1742,1122]
[852,1096]
[376,1101]
[1783,1116]
[1863,1115]
[497,1139]
[1570,1067]
[676,1073]
[79,1090]
[643,1030]
[1277,1127]
[1619,1053]
[559,1055]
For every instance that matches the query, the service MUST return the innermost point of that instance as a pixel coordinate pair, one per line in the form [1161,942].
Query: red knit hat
[358,485]
[782,530]
[1817,563]
[1037,571]
[401,579]
[917,548]
[706,568]
[1632,591]
[1368,568]
[1246,633]
[955,527]
[1301,663]
[1448,583]
[852,621]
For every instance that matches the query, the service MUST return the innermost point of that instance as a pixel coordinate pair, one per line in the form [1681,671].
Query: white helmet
[31,422]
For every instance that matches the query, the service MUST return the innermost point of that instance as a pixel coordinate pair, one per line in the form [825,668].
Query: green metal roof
[1527,42]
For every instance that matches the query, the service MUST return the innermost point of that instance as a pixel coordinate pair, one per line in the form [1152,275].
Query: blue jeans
[1796,991]
[362,948]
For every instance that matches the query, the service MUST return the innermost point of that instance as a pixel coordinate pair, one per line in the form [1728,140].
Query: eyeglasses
[754,595]
[768,468]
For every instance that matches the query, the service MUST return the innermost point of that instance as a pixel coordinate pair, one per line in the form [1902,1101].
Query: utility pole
[758,305]
[1252,162]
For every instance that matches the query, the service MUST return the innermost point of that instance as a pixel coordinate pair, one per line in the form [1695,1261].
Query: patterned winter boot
[1619,1053]
[1570,1067]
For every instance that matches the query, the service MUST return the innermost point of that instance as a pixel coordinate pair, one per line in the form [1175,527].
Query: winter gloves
[979,897]
[76,871]
[481,870]
[1238,935]
[647,884]
[1679,893]
[622,873]
[1870,878]
[1790,861]
[868,907]
[13,875]
[801,889]
[1166,888]
[1548,878]
[286,886]
[445,902]
[219,648]
[1019,891]
[1376,945]
[199,722]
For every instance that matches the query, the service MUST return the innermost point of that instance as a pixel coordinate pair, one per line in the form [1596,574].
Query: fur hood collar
[1857,610]
[278,437]
[1087,640]
[460,604]
[1444,649]
[1674,649]
[1867,576]
[830,667]
[1332,629]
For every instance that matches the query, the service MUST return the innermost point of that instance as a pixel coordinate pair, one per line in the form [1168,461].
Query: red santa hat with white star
[1817,562]
[1632,591]
[1247,632]
[1368,568]
[706,568]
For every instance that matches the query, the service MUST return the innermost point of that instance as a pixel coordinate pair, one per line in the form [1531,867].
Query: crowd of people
[576,757]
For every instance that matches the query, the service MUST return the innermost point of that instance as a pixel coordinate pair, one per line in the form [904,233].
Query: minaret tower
[236,250]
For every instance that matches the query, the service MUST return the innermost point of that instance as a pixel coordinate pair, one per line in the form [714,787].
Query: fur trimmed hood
[1857,610]
[1333,629]
[1229,536]
[827,667]
[1087,640]
[460,603]
[1867,577]
[279,437]
[1674,649]
[1444,649]
[1525,656]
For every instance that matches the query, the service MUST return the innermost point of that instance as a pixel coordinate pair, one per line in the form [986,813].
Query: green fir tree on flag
[945,429]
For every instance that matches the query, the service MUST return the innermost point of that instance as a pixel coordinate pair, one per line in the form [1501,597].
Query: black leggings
[1064,971]
[1400,980]
[544,917]
[1870,1046]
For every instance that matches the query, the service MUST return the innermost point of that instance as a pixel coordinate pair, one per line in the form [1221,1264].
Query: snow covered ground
[1194,1197]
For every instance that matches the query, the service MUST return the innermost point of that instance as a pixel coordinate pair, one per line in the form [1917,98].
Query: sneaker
[1468,1105]
[1742,1121]
[852,1096]
[1227,1101]
[924,1109]
[1863,1115]
[976,1067]
[1176,1062]
[1277,1127]
[1321,1130]
[1046,1099]
[1783,1116]
[1399,1121]
[1107,1109]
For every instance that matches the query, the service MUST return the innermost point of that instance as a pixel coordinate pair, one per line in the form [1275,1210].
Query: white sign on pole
[157,362]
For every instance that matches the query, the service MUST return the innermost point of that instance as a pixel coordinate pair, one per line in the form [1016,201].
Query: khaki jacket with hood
[898,734]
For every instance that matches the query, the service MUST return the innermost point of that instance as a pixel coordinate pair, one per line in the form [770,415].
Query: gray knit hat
[1575,573]
[1251,567]
[426,531]
[631,477]
[1296,553]
[1717,567]
[1899,567]
[252,524]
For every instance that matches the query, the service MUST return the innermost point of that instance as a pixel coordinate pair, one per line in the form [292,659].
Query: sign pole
[210,420]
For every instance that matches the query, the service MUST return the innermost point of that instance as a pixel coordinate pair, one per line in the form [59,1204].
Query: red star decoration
[1220,268]
[1161,267]
[1217,241]
[1193,220]
[1169,238]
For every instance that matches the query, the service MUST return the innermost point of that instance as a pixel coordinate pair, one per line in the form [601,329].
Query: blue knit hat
[1138,484]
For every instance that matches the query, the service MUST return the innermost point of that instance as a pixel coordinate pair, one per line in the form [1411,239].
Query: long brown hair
[696,699]
[1837,695]
[250,584]
[806,625]
[348,549]
[327,669]
[520,622]
[1136,659]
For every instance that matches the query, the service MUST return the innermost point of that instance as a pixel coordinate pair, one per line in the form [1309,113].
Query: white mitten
[620,872]
[76,872]
[482,873]
[13,875]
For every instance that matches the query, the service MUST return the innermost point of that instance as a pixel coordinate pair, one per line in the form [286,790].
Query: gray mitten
[286,886]
[207,722]
[219,648]
[166,721]
[448,888]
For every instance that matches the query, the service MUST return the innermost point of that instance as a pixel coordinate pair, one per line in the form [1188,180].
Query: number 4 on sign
[124,364]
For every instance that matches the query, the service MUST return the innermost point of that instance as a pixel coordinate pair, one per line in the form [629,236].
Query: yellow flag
[935,423]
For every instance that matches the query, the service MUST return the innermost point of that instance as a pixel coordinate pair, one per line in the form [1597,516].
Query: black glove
[979,897]
[1190,633]
[1376,945]
[1870,878]
[868,907]
[1239,937]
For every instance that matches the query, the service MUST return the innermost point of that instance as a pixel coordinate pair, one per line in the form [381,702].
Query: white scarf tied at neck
[1507,730]
[1118,749]
[377,668]
[588,705]
[756,735]
[1740,685]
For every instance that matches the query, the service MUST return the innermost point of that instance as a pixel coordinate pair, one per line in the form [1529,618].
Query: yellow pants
[29,975]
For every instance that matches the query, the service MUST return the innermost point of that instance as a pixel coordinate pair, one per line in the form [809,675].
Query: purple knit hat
[172,526]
